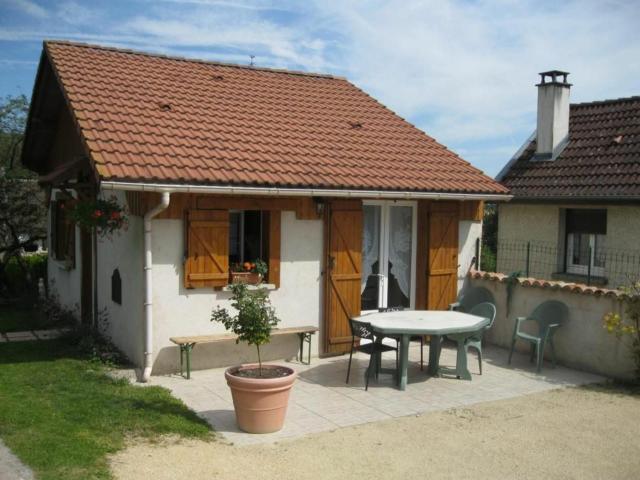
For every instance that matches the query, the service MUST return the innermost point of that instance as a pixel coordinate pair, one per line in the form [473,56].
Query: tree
[489,238]
[22,209]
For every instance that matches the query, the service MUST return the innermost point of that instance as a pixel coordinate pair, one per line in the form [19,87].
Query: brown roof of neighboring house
[601,160]
[152,118]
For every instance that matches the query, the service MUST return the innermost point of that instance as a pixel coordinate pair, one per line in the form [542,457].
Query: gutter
[297,192]
[148,286]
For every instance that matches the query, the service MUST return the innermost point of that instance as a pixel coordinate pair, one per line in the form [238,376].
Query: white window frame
[383,253]
[583,269]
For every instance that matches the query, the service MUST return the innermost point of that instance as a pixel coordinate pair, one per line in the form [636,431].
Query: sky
[464,71]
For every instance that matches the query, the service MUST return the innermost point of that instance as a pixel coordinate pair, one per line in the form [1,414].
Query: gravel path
[11,468]
[577,433]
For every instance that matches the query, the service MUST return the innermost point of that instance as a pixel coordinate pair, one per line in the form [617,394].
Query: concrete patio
[322,401]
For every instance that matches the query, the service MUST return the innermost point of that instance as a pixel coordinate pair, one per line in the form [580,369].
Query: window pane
[400,236]
[369,287]
[234,237]
[252,235]
[580,249]
[599,255]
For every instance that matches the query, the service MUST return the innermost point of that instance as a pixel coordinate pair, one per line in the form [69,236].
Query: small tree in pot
[260,392]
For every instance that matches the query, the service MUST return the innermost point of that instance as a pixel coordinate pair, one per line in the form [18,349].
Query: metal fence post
[528,257]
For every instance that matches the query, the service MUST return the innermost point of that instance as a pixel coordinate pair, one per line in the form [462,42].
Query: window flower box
[249,278]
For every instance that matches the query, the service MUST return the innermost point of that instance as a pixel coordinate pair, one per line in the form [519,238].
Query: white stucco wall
[124,251]
[179,311]
[468,233]
[64,282]
[580,343]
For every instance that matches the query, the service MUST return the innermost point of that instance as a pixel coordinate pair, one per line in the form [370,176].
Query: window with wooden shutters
[207,244]
[253,235]
[220,240]
[63,232]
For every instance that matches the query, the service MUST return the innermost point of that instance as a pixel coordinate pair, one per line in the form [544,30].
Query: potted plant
[260,392]
[105,216]
[249,273]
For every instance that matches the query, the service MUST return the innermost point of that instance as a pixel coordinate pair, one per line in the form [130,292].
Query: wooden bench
[186,344]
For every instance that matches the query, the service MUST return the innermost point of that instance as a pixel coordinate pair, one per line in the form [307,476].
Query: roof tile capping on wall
[551,284]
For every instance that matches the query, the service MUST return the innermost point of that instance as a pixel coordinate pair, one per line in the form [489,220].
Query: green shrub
[487,260]
[21,282]
[627,328]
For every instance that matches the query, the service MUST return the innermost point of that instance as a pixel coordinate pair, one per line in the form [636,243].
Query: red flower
[97,214]
[115,215]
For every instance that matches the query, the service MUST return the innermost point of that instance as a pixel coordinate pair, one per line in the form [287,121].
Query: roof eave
[298,192]
[576,199]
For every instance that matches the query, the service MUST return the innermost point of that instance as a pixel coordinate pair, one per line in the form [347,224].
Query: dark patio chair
[549,316]
[471,297]
[414,338]
[363,331]
[484,310]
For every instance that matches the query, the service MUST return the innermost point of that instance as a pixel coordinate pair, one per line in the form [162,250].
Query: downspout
[148,286]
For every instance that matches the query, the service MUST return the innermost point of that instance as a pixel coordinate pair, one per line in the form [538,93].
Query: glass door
[388,255]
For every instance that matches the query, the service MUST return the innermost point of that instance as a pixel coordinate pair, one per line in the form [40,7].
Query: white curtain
[370,242]
[400,247]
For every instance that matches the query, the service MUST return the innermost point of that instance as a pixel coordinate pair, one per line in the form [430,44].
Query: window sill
[266,286]
[577,278]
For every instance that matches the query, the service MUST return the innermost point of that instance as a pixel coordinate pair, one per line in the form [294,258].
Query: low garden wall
[581,343]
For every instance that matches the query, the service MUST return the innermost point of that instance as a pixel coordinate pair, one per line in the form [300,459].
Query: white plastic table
[404,324]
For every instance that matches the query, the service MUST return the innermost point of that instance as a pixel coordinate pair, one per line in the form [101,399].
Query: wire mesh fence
[609,267]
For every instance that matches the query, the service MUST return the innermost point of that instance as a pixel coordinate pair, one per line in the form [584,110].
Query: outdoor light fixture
[319,206]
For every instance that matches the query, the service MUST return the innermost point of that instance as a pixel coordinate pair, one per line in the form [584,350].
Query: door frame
[384,245]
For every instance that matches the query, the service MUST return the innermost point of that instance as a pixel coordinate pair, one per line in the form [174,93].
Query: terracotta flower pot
[260,403]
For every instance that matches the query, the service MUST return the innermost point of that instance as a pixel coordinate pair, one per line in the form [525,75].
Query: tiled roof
[151,118]
[550,284]
[601,160]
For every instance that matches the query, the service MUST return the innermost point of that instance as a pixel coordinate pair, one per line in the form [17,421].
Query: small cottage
[348,206]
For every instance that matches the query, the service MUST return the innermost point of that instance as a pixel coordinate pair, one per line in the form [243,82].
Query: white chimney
[553,114]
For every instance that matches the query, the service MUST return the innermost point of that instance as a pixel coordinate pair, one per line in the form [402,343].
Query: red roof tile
[150,118]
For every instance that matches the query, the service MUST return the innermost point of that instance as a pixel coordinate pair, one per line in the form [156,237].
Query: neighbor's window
[586,236]
[63,232]
[247,241]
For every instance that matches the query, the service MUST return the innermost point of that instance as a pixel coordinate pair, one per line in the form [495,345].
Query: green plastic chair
[549,316]
[484,310]
[471,297]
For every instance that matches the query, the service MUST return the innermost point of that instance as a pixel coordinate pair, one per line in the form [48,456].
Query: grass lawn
[62,415]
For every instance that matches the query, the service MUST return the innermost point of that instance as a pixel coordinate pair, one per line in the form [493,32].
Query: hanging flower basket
[105,216]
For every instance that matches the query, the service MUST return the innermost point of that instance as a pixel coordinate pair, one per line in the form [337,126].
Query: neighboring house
[351,207]
[576,191]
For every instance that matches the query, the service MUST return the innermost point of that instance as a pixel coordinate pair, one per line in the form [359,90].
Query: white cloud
[462,70]
[75,13]
[29,7]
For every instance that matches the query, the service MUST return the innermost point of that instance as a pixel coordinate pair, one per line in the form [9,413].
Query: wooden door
[442,273]
[343,269]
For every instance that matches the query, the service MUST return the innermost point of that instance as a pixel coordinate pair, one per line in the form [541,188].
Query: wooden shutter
[207,242]
[422,255]
[343,272]
[472,210]
[442,279]
[272,227]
